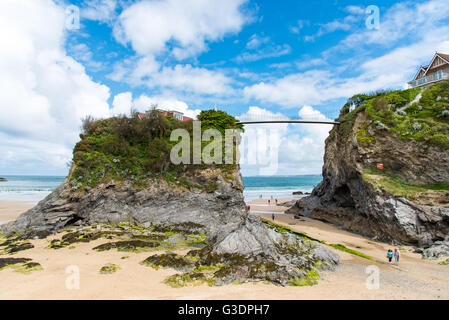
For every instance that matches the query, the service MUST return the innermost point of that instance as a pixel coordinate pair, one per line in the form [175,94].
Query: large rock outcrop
[161,202]
[122,174]
[406,202]
[243,243]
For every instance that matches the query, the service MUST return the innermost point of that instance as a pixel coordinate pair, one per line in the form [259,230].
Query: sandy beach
[413,278]
[10,209]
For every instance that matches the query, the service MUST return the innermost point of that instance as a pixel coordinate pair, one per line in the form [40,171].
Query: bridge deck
[288,121]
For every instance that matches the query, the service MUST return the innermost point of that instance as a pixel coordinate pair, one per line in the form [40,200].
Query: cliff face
[408,200]
[160,202]
[104,188]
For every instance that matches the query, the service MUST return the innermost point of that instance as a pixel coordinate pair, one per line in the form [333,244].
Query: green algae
[310,278]
[286,230]
[170,260]
[190,278]
[353,252]
[109,268]
[81,236]
[21,265]
[128,246]
[11,247]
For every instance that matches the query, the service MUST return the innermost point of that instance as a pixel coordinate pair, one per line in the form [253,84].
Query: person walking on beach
[272,216]
[268,201]
[396,255]
[390,255]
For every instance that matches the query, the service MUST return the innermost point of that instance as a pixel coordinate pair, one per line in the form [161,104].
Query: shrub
[129,147]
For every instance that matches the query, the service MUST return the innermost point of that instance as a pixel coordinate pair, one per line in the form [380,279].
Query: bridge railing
[262,117]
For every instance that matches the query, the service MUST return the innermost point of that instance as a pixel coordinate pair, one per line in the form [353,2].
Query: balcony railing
[429,79]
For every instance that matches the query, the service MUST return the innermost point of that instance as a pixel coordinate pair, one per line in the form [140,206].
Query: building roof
[444,56]
[437,54]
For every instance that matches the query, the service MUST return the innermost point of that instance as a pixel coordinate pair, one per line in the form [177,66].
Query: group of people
[396,255]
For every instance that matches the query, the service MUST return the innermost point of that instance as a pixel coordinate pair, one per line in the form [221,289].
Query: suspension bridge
[311,117]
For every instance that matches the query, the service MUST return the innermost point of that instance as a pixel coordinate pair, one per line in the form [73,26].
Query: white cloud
[144,103]
[271,51]
[123,103]
[308,63]
[281,65]
[402,20]
[167,29]
[355,9]
[256,41]
[151,26]
[45,93]
[82,53]
[191,79]
[344,24]
[292,90]
[300,24]
[296,149]
[390,70]
[100,10]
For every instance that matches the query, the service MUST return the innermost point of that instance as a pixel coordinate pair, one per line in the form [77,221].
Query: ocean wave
[26,189]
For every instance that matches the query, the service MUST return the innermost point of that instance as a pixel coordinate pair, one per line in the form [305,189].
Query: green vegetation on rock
[109,268]
[128,246]
[363,135]
[426,121]
[396,186]
[284,229]
[134,149]
[21,265]
[14,245]
[310,278]
[353,252]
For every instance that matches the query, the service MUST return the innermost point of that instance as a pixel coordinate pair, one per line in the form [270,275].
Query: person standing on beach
[396,255]
[390,255]
[276,201]
[272,216]
[268,201]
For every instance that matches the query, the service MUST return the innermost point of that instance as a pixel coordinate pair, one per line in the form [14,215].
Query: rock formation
[408,200]
[193,200]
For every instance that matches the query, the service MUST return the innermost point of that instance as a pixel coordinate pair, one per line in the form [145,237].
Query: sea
[36,188]
[278,187]
[28,188]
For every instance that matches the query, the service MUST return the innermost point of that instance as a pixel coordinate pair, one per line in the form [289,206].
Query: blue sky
[296,58]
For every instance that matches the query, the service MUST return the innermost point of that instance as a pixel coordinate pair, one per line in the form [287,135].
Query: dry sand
[10,210]
[414,278]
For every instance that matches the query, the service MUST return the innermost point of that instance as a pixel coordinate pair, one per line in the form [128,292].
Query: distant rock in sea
[300,193]
[3,180]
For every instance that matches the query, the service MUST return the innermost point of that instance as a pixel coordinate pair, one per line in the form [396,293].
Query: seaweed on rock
[128,245]
[22,265]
